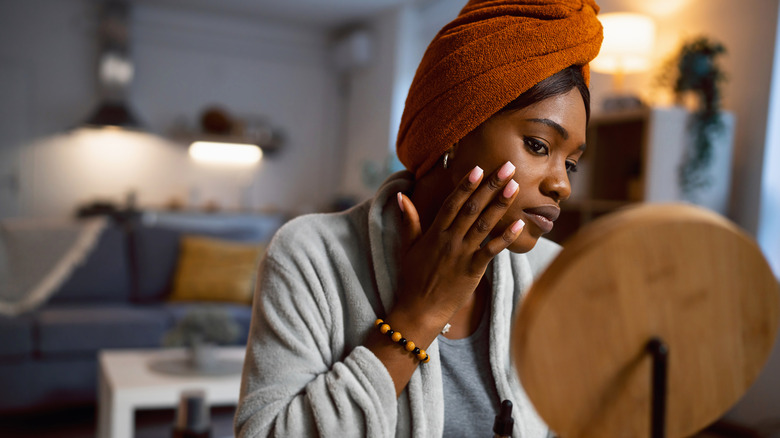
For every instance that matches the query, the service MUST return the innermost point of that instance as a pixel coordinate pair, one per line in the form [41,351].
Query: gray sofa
[117,298]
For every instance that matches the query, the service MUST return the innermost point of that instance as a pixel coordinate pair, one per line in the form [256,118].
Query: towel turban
[490,54]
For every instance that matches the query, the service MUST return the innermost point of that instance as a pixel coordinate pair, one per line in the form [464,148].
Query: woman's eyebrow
[560,129]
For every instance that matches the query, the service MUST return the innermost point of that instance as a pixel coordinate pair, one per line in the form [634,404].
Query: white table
[128,383]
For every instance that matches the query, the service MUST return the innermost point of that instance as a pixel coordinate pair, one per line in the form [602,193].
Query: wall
[761,407]
[368,91]
[184,61]
[377,93]
[748,32]
[47,68]
[769,230]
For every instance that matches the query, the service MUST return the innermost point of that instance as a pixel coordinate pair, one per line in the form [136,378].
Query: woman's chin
[524,243]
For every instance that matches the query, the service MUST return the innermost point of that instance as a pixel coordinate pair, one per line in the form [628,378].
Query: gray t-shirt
[470,397]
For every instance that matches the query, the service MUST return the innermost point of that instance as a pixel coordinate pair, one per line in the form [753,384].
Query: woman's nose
[556,183]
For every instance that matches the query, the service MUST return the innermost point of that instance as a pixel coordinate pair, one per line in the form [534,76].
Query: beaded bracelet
[396,337]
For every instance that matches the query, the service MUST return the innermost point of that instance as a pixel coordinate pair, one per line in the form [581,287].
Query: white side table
[128,383]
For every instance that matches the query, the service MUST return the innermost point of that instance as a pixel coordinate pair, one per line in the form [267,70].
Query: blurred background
[318,88]
[329,77]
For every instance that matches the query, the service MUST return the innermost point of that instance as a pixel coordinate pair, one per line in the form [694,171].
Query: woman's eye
[536,146]
[571,167]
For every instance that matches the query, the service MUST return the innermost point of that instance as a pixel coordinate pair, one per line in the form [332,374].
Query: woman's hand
[442,267]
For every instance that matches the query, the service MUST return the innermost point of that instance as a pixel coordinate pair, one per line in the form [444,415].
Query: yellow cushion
[211,269]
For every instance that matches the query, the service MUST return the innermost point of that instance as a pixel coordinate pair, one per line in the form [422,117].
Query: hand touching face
[544,141]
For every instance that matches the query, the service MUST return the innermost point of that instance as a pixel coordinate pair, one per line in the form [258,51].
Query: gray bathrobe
[322,284]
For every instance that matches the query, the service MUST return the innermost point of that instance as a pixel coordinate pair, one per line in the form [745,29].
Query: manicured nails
[400,201]
[510,189]
[506,170]
[475,175]
[517,226]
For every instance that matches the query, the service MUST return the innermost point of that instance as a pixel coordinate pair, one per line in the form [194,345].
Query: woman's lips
[543,217]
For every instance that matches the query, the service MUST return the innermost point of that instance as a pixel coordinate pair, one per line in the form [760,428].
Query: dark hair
[559,83]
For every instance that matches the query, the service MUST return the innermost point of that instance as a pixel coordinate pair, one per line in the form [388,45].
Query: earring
[446,158]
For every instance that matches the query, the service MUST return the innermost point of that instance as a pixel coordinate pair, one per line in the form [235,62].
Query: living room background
[337,121]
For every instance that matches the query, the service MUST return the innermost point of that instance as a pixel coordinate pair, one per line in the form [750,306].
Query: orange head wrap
[490,54]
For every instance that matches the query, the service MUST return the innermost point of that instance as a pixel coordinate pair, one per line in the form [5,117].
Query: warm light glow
[628,43]
[225,153]
[107,128]
[659,8]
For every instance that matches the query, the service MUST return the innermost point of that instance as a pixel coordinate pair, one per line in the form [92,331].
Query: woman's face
[544,141]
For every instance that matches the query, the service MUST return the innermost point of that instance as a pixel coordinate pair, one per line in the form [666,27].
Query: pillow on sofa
[211,269]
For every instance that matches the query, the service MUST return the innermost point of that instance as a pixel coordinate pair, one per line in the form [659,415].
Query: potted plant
[695,76]
[201,330]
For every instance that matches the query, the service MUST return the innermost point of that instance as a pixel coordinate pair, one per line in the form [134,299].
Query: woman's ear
[454,149]
[449,164]
[448,156]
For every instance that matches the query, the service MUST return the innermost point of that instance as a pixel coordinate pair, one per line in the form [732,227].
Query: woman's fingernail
[517,226]
[510,189]
[506,170]
[400,198]
[475,174]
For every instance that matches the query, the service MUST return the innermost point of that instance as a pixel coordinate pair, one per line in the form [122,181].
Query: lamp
[115,69]
[224,139]
[113,114]
[225,153]
[627,48]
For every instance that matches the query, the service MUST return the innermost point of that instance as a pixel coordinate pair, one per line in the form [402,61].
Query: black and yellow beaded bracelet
[396,337]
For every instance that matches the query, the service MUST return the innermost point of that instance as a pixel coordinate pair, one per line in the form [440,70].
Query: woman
[393,318]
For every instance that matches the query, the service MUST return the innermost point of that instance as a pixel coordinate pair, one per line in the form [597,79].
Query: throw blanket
[37,256]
